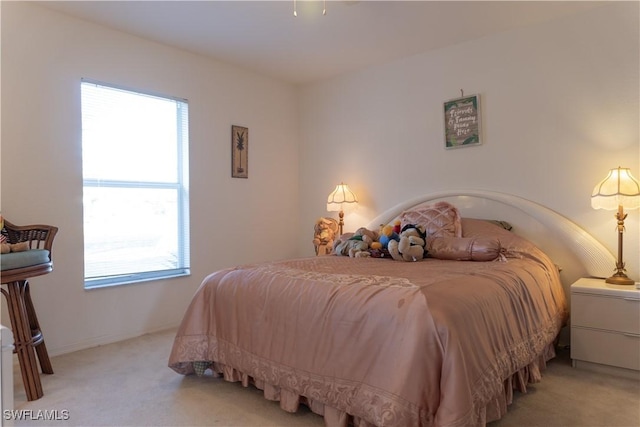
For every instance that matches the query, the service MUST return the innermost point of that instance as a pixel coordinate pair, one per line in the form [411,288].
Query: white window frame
[180,186]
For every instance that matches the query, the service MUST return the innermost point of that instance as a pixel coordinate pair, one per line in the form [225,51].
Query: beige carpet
[129,384]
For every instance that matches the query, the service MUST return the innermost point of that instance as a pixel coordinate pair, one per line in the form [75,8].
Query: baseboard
[606,369]
[104,340]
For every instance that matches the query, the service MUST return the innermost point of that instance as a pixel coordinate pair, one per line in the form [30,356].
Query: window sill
[132,279]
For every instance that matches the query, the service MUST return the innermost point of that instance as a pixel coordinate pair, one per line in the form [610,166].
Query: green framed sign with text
[462,123]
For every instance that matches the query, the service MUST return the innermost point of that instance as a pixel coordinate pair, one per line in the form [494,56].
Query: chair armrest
[38,236]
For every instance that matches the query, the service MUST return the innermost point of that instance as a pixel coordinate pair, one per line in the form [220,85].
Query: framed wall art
[239,152]
[462,122]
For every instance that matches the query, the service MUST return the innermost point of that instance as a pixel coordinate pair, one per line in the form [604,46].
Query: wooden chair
[17,269]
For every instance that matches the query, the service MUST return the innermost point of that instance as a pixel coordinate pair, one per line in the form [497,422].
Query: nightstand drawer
[604,312]
[608,348]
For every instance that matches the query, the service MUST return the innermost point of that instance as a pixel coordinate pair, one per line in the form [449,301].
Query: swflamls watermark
[36,415]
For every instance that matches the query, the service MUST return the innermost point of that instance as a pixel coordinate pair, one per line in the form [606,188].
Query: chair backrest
[32,262]
[37,236]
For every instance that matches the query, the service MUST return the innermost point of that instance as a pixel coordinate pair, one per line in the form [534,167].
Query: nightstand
[605,327]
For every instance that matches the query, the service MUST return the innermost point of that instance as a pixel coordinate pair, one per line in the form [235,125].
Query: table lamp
[341,199]
[619,190]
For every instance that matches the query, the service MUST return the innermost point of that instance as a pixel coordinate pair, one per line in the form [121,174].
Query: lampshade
[341,199]
[619,188]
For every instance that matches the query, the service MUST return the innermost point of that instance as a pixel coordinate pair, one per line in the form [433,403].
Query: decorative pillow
[464,248]
[503,224]
[439,219]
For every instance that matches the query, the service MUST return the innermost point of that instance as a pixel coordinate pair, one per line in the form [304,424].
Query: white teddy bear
[411,244]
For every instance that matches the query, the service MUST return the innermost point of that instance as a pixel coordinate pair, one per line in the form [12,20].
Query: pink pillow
[440,219]
[464,248]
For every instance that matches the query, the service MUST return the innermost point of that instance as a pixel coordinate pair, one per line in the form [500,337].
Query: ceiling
[264,36]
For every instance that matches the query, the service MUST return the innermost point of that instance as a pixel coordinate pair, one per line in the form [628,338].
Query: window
[135,182]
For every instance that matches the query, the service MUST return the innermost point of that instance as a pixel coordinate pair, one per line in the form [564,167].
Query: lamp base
[620,279]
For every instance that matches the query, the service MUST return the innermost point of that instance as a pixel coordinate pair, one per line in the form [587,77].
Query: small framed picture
[239,152]
[462,122]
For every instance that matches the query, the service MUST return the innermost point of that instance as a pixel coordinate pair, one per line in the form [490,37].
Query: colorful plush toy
[376,246]
[387,234]
[410,247]
[357,245]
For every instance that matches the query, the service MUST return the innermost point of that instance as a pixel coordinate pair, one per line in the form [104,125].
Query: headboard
[574,250]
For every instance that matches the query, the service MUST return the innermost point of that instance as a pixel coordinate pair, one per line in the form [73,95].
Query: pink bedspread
[388,343]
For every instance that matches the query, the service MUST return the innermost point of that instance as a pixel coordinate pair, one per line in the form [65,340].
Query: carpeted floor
[129,384]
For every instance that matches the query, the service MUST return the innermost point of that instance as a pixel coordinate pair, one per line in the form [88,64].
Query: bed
[378,342]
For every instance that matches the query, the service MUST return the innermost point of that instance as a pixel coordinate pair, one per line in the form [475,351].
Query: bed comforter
[380,342]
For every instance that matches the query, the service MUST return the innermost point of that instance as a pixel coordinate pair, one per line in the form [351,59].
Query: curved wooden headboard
[574,250]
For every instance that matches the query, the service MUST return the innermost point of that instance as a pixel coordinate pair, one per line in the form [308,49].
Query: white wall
[559,101]
[560,106]
[44,56]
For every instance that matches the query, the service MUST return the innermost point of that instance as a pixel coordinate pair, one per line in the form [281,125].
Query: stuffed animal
[357,245]
[375,246]
[411,244]
[325,230]
[397,226]
[5,248]
[387,234]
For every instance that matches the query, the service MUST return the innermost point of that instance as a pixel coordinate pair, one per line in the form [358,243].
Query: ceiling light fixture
[295,7]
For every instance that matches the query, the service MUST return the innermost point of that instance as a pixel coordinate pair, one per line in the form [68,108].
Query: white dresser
[6,375]
[605,326]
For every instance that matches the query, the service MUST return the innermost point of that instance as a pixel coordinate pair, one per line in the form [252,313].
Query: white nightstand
[605,327]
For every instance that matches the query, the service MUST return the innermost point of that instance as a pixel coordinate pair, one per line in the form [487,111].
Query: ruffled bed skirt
[290,401]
